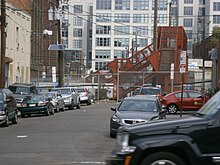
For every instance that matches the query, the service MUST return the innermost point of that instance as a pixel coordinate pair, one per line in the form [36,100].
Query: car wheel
[15,119]
[47,112]
[78,105]
[162,158]
[172,108]
[71,106]
[51,109]
[89,102]
[112,135]
[22,116]
[6,123]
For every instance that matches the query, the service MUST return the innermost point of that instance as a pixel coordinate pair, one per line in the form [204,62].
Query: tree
[215,36]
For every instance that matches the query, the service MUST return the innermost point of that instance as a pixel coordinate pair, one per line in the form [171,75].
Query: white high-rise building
[108,29]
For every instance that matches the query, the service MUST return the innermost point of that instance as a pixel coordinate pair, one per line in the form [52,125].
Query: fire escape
[145,65]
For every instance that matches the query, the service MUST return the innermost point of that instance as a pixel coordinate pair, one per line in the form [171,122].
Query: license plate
[31,105]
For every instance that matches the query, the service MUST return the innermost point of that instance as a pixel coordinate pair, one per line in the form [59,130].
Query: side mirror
[113,109]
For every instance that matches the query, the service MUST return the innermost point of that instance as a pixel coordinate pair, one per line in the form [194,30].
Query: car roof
[22,84]
[141,97]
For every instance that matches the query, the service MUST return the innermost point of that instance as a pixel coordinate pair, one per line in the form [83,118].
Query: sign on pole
[54,74]
[183,62]
[172,71]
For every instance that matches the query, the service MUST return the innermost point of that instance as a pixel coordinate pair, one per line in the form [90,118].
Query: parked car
[56,99]
[132,110]
[85,95]
[20,90]
[70,95]
[35,104]
[149,90]
[192,140]
[192,100]
[8,108]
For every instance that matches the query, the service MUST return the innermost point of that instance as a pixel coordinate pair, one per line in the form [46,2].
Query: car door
[184,101]
[196,100]
[74,96]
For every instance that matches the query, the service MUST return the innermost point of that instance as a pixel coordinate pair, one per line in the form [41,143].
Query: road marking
[21,136]
[88,162]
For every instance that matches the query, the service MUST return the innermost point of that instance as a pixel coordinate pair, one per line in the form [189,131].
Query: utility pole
[170,13]
[155,25]
[60,55]
[3,43]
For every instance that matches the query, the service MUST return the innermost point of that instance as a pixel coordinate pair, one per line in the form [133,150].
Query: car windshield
[152,91]
[1,98]
[50,95]
[211,107]
[34,97]
[80,90]
[20,90]
[62,91]
[138,105]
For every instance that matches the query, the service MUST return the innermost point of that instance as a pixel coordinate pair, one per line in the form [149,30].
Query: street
[79,136]
[69,137]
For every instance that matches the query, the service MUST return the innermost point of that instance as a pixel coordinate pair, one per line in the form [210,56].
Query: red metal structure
[147,65]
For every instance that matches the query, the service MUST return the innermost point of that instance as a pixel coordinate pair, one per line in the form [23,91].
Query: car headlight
[3,113]
[122,142]
[115,118]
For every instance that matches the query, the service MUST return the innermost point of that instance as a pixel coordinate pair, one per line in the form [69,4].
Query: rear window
[22,90]
[150,91]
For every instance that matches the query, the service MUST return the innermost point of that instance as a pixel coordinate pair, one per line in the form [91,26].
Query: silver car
[70,95]
[56,99]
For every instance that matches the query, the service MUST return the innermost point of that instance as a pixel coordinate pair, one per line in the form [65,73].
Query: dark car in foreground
[35,104]
[8,108]
[134,110]
[192,100]
[193,140]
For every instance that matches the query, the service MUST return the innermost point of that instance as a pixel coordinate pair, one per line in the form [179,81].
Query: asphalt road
[73,137]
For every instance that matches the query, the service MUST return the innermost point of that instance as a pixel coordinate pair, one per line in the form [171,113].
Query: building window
[103,41]
[189,34]
[188,10]
[187,22]
[142,42]
[65,32]
[121,42]
[78,9]
[77,21]
[140,18]
[101,66]
[103,29]
[202,11]
[141,4]
[103,17]
[102,54]
[140,30]
[162,5]
[216,6]
[162,18]
[202,2]
[122,4]
[216,19]
[77,43]
[103,4]
[188,1]
[121,53]
[77,32]
[122,17]
[122,30]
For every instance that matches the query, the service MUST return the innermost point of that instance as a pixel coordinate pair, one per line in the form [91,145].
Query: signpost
[54,75]
[172,75]
[182,71]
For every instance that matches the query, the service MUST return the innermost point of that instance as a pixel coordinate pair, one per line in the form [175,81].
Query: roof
[141,97]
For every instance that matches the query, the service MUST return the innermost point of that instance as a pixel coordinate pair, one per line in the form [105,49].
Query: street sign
[172,71]
[183,62]
[54,74]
